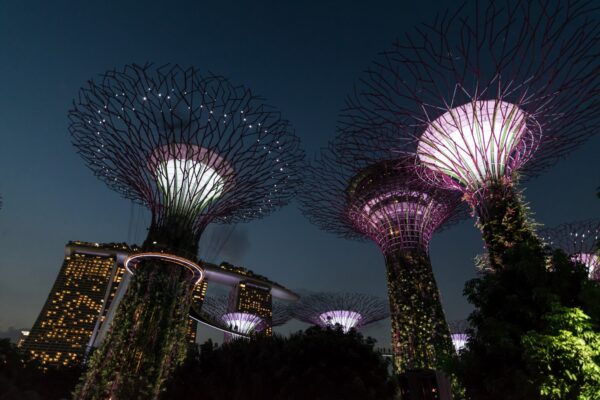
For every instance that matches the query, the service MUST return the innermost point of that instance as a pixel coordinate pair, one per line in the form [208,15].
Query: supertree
[358,189]
[235,324]
[194,149]
[459,334]
[487,94]
[579,240]
[240,324]
[282,312]
[347,310]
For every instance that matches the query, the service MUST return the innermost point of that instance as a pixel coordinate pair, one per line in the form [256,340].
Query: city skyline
[50,199]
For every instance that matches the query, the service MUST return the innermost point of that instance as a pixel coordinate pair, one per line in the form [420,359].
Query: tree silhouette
[315,364]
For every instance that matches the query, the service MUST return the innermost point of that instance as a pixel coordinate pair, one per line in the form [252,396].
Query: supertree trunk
[420,334]
[147,338]
[503,221]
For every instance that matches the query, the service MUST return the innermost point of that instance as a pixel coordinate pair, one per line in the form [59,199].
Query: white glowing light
[241,322]
[345,318]
[189,184]
[474,143]
[590,260]
[459,340]
[189,177]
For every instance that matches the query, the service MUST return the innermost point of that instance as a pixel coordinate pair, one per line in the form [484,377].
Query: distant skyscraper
[90,285]
[63,329]
[82,303]
[253,299]
[198,298]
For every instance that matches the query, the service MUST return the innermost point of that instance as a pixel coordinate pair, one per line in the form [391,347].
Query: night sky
[303,57]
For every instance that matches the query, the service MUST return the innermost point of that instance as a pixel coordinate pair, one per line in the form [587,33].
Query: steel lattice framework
[349,310]
[579,240]
[459,334]
[528,71]
[485,94]
[357,192]
[282,312]
[194,149]
[190,147]
[359,188]
[215,310]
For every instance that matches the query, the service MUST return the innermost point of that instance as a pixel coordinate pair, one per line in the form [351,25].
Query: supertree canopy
[238,324]
[346,310]
[357,190]
[282,312]
[235,324]
[194,149]
[579,240]
[459,334]
[486,94]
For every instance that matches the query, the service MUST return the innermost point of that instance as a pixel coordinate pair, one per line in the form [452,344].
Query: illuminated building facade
[22,337]
[198,298]
[87,279]
[253,299]
[82,302]
[579,240]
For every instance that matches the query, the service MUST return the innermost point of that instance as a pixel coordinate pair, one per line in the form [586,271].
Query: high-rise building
[82,302]
[22,336]
[198,298]
[253,298]
[88,279]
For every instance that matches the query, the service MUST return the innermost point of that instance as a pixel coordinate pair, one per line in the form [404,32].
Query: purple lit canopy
[579,240]
[459,335]
[347,310]
[192,148]
[488,90]
[215,311]
[355,196]
[241,322]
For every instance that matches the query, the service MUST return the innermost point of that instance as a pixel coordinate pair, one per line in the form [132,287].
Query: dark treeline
[314,364]
[26,381]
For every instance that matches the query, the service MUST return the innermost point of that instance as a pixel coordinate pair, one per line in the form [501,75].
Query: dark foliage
[315,364]
[511,303]
[25,381]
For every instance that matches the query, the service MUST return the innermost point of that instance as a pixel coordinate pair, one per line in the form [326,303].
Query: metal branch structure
[347,310]
[360,189]
[458,333]
[282,312]
[486,94]
[194,149]
[235,324]
[579,240]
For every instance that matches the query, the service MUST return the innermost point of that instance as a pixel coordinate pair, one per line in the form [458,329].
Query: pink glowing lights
[345,318]
[346,310]
[390,204]
[579,240]
[459,340]
[241,322]
[592,263]
[476,143]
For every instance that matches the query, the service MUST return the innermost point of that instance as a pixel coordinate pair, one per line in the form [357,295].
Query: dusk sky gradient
[303,57]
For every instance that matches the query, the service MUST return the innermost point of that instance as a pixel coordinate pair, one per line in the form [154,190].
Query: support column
[420,334]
